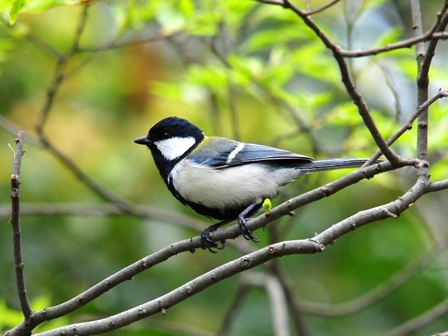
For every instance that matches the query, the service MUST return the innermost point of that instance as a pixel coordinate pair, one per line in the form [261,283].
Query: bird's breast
[233,187]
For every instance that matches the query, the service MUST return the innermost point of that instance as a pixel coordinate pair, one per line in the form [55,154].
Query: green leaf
[5,4]
[15,10]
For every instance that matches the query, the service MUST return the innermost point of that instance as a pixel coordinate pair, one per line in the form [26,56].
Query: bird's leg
[207,242]
[242,223]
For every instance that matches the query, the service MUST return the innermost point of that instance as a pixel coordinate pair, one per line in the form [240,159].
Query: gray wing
[223,153]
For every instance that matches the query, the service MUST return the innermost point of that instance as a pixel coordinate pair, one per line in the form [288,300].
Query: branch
[81,176]
[438,186]
[15,222]
[249,261]
[324,7]
[431,34]
[80,209]
[194,243]
[349,85]
[424,58]
[59,72]
[408,124]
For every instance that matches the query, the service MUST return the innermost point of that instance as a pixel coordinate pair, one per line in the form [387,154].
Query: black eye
[166,135]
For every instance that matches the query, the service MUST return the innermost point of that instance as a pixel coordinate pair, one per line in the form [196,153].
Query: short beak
[143,140]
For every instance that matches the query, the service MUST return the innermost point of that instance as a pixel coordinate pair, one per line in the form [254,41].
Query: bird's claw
[245,231]
[208,243]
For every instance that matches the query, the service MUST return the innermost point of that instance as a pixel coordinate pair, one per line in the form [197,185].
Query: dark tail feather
[331,164]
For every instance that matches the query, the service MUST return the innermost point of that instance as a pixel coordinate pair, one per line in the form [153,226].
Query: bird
[225,179]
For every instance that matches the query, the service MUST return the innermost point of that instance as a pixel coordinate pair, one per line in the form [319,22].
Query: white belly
[228,187]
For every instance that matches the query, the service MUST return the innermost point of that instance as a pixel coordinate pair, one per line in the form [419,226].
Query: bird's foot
[208,243]
[245,231]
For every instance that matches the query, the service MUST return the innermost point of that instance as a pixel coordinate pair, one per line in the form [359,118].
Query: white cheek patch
[173,148]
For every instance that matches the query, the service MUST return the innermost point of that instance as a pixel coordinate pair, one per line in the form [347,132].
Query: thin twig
[304,128]
[431,34]
[393,89]
[84,178]
[408,124]
[114,45]
[349,85]
[15,222]
[80,29]
[321,9]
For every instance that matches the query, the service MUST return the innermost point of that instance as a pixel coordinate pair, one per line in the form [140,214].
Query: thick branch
[249,261]
[194,243]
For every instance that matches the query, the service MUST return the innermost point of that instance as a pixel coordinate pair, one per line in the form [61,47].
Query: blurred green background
[239,69]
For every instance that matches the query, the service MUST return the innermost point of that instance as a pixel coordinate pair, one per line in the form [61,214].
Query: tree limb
[249,261]
[15,222]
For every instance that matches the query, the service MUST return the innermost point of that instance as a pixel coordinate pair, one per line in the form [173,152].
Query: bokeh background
[249,71]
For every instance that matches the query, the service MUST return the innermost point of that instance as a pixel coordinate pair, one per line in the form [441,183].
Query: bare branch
[349,85]
[233,232]
[81,176]
[408,124]
[438,186]
[15,222]
[424,58]
[324,7]
[408,43]
[249,261]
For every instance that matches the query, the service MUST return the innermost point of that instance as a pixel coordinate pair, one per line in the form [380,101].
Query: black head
[171,127]
[174,127]
[170,140]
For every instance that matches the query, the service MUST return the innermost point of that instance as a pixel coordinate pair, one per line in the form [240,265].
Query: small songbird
[222,178]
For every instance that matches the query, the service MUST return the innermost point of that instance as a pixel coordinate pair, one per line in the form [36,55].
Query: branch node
[326,190]
[389,214]
[245,262]
[320,246]
[142,312]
